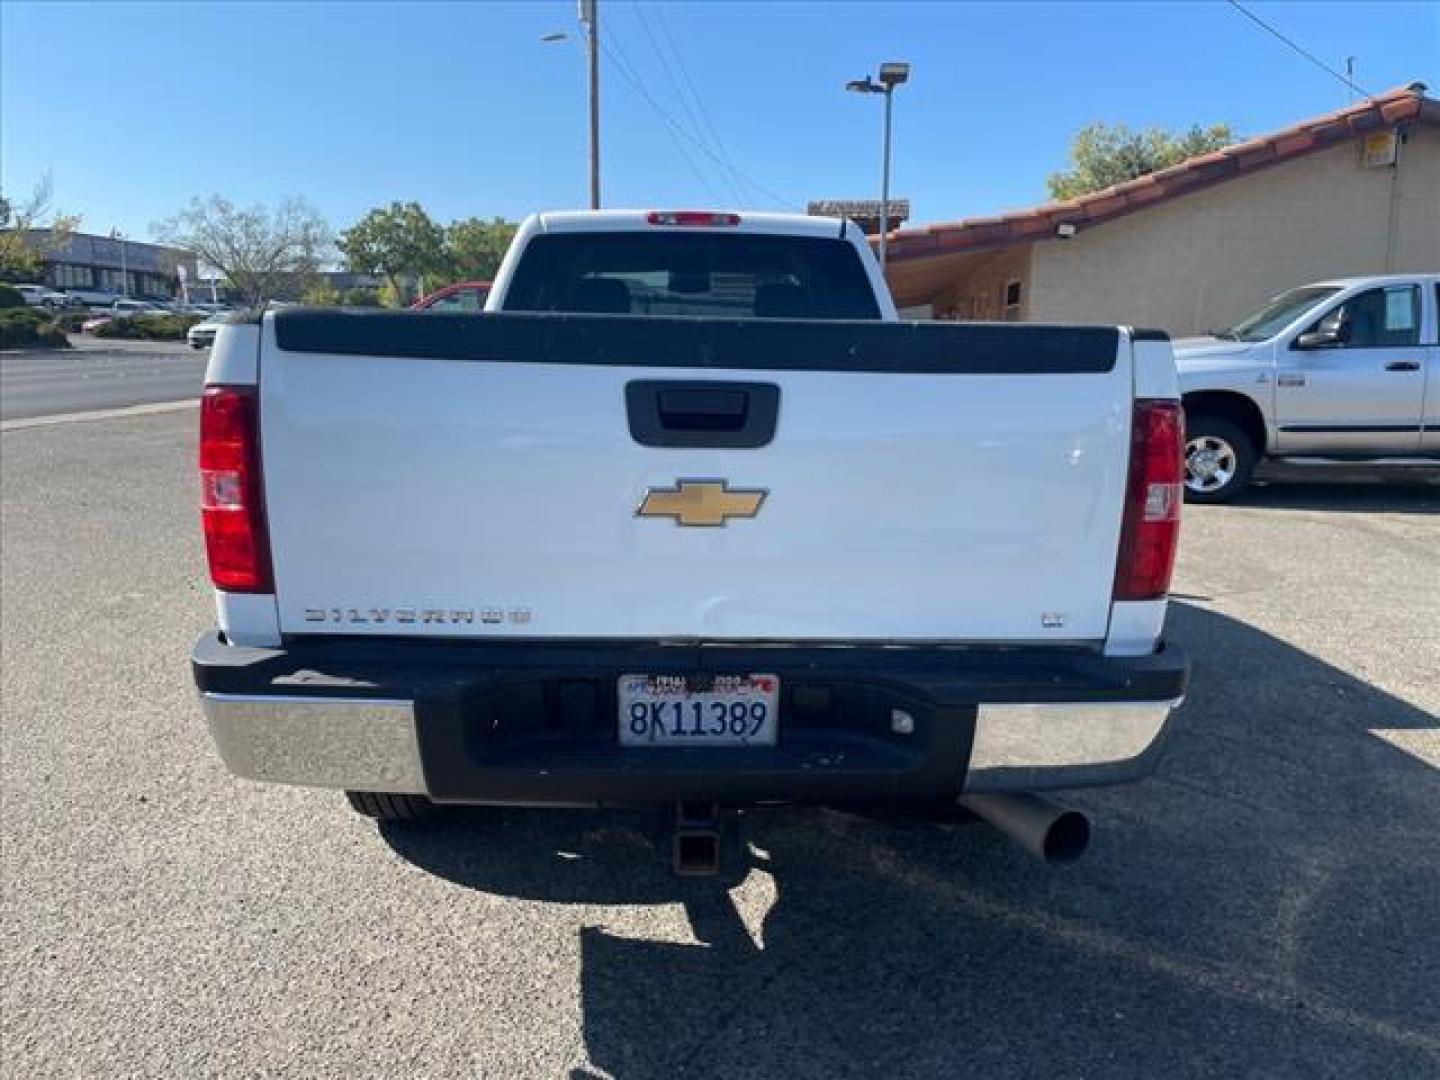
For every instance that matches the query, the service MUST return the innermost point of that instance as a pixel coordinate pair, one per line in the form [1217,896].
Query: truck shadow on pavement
[1409,495]
[1265,905]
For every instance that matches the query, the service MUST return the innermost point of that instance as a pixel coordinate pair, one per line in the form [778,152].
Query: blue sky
[133,108]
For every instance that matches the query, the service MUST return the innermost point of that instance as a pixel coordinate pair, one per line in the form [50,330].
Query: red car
[462,296]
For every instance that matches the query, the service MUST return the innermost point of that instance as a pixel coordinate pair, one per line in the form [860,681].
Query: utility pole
[590,19]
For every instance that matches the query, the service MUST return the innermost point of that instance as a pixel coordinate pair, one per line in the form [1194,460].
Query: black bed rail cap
[936,348]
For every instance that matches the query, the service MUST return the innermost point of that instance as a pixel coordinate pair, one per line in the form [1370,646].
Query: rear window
[721,275]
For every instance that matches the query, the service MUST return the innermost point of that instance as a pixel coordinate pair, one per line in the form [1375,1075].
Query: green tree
[359,296]
[390,296]
[399,241]
[21,255]
[320,293]
[474,247]
[258,250]
[1105,154]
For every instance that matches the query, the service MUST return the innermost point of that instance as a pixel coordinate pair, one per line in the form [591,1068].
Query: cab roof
[1376,279]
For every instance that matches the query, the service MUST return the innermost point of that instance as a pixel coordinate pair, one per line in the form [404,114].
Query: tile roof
[1392,107]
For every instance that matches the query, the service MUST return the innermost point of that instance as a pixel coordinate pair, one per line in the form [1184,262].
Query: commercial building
[1200,244]
[85,262]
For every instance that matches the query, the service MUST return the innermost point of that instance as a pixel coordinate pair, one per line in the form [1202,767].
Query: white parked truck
[688,518]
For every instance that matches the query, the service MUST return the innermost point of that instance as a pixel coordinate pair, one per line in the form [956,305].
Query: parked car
[42,296]
[926,563]
[462,296]
[120,309]
[202,334]
[1344,370]
[136,307]
[94,298]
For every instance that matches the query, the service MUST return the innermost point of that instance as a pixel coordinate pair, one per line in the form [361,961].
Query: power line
[622,64]
[690,116]
[1303,52]
[706,121]
[676,127]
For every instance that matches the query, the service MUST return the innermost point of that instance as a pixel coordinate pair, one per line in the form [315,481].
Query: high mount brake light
[705,219]
[1153,495]
[231,511]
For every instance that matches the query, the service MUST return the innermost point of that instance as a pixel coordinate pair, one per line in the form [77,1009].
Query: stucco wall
[1206,259]
[1418,207]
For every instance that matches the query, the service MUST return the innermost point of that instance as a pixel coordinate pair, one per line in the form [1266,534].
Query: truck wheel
[383,806]
[1219,459]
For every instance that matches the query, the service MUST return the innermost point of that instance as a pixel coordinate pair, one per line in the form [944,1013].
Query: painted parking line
[99,414]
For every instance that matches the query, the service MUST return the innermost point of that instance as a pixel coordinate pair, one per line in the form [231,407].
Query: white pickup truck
[688,518]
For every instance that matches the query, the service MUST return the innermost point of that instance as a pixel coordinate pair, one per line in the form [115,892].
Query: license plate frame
[660,711]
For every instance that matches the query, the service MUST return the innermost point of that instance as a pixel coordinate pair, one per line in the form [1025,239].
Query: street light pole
[891,75]
[116,234]
[885,181]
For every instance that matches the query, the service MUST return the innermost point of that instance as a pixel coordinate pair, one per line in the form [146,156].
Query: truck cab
[1346,370]
[692,263]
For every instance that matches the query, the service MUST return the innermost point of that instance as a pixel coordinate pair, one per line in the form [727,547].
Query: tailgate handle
[703,410]
[701,413]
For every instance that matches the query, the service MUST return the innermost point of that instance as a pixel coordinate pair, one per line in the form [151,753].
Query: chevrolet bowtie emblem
[701,502]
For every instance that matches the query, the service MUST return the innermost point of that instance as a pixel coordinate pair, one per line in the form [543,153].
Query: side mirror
[1317,339]
[1327,335]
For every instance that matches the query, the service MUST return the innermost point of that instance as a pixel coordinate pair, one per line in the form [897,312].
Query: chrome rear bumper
[535,722]
[363,744]
[359,744]
[1036,747]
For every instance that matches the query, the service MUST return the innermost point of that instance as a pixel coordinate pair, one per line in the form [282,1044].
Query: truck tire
[1219,459]
[383,806]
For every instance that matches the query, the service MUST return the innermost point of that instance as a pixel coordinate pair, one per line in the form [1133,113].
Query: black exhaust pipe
[1056,834]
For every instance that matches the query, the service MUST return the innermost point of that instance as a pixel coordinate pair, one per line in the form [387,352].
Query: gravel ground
[1266,905]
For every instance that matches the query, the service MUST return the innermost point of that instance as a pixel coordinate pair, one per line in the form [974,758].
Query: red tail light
[705,219]
[1153,495]
[230,509]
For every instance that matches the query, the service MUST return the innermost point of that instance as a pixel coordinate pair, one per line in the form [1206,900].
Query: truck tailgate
[479,476]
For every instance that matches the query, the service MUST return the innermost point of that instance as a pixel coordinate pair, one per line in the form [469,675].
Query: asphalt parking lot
[1266,905]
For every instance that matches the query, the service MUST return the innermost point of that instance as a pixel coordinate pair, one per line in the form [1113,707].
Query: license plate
[679,710]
